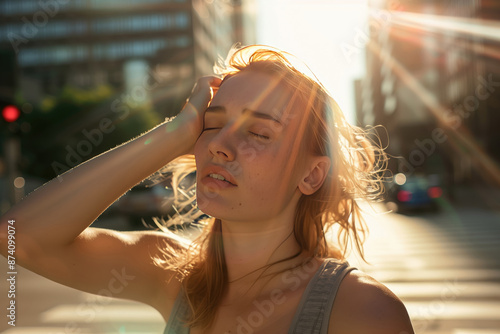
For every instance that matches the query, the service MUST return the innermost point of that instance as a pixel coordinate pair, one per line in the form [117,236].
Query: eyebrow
[254,113]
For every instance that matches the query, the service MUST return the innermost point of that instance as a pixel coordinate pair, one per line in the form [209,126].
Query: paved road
[445,267]
[46,307]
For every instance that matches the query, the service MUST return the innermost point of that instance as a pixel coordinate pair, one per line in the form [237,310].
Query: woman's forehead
[255,90]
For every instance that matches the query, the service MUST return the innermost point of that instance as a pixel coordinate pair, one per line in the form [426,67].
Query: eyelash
[256,135]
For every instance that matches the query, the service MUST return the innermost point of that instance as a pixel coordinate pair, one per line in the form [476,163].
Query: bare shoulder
[364,305]
[125,262]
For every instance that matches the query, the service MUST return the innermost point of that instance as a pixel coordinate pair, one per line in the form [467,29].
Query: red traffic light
[10,113]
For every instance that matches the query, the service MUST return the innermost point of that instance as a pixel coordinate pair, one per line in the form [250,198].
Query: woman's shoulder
[364,305]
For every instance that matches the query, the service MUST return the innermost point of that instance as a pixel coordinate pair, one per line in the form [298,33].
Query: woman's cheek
[247,152]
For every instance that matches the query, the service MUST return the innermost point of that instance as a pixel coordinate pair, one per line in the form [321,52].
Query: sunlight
[462,141]
[314,31]
[465,26]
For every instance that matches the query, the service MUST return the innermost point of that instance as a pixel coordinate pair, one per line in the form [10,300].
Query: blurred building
[86,43]
[433,81]
[219,26]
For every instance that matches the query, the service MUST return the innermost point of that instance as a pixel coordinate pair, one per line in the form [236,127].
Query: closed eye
[258,135]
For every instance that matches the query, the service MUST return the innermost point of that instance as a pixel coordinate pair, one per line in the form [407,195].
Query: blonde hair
[355,173]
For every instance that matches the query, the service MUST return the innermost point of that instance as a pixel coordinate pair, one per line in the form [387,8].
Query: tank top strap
[180,311]
[313,312]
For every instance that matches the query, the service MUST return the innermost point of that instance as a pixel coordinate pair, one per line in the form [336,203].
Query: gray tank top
[314,309]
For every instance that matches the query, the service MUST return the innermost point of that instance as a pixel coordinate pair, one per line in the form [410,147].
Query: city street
[50,308]
[444,266]
[103,101]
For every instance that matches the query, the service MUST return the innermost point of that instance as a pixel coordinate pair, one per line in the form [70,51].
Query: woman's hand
[191,115]
[54,219]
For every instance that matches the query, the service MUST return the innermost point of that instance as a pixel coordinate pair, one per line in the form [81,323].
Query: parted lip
[214,169]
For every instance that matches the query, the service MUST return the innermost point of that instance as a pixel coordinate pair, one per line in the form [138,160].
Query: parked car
[144,202]
[141,200]
[414,192]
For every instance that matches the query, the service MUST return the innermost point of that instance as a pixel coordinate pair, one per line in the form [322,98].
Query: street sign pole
[12,150]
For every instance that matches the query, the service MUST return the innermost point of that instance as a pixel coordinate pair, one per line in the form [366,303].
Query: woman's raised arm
[49,222]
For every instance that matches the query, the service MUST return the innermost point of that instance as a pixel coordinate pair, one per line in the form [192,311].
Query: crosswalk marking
[445,269]
[435,275]
[111,313]
[43,330]
[454,309]
[475,331]
[429,290]
[64,330]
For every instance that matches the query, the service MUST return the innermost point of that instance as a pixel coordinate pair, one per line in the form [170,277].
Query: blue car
[414,192]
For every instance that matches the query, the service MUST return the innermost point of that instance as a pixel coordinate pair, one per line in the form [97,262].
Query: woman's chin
[221,211]
[211,206]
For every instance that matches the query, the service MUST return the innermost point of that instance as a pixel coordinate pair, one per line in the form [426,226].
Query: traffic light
[10,113]
[12,121]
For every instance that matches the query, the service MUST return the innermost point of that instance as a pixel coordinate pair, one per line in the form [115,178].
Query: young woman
[276,166]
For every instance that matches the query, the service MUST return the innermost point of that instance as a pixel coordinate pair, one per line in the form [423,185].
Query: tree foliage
[77,124]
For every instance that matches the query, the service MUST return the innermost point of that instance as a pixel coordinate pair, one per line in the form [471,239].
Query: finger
[204,85]
[215,82]
[204,90]
[214,91]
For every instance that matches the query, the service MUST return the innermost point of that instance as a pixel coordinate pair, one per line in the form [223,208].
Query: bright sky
[326,34]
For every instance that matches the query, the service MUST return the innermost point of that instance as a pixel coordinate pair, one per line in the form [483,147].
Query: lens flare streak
[466,144]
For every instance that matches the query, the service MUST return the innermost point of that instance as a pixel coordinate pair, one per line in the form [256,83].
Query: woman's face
[247,157]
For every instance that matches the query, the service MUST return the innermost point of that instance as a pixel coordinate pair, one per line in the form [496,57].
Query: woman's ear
[315,175]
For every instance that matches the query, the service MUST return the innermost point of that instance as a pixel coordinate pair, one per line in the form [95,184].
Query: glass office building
[85,43]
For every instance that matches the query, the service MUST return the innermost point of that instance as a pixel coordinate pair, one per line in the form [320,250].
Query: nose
[221,145]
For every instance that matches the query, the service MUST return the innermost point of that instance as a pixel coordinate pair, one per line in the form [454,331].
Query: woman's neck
[250,247]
